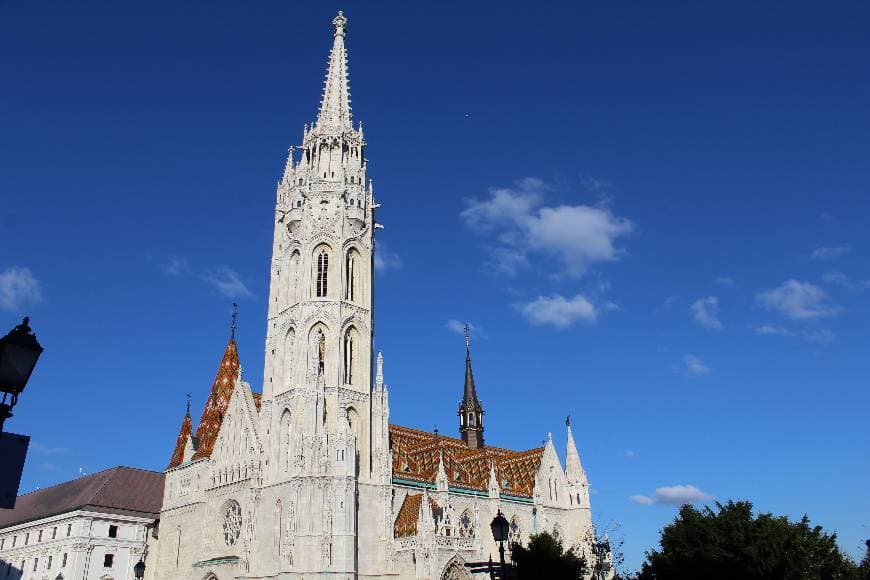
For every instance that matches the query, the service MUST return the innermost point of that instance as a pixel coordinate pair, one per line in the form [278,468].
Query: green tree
[545,558]
[864,567]
[732,543]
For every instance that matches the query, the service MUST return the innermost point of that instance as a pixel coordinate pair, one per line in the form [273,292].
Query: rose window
[232,523]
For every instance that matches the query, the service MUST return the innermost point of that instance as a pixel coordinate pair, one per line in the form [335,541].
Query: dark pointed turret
[470,409]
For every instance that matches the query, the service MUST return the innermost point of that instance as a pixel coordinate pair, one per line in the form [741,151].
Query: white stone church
[310,479]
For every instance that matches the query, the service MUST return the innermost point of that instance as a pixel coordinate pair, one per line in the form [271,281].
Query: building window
[322,274]
[27,538]
[54,532]
[68,529]
[39,539]
[466,525]
[48,566]
[108,560]
[348,358]
[63,562]
[35,564]
[14,540]
[2,543]
[232,523]
[113,530]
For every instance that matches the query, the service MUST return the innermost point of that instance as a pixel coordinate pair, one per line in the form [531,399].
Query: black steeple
[470,409]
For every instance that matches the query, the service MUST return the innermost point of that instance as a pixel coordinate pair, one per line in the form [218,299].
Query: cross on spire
[467,341]
[235,315]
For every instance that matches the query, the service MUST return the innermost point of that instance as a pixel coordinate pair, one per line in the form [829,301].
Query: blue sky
[654,215]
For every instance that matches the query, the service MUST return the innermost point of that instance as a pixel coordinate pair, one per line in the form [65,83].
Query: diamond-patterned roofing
[116,489]
[217,403]
[406,521]
[185,431]
[416,455]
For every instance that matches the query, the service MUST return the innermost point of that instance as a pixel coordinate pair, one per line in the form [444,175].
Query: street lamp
[19,351]
[500,529]
[139,570]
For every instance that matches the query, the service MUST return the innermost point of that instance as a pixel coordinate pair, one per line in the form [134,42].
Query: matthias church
[312,478]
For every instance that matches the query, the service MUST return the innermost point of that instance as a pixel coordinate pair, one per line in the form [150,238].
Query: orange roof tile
[416,455]
[185,431]
[217,403]
[406,521]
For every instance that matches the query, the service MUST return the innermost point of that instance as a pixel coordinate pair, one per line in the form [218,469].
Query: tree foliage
[732,543]
[546,558]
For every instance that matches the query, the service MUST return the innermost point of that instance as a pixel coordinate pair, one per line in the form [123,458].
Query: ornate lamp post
[500,529]
[19,351]
[139,570]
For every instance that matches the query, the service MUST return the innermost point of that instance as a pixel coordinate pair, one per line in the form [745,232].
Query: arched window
[322,274]
[352,280]
[349,356]
[285,441]
[232,525]
[466,525]
[515,534]
[293,279]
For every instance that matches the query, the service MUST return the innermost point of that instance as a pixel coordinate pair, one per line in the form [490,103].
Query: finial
[568,421]
[467,341]
[436,430]
[188,405]
[235,315]
[339,23]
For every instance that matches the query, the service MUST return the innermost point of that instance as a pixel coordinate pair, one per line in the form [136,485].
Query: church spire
[573,467]
[334,115]
[470,409]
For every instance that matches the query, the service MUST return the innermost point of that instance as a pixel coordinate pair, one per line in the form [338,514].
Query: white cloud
[561,312]
[666,304]
[820,336]
[458,327]
[227,282]
[830,253]
[175,266]
[725,281]
[43,449]
[18,288]
[772,330]
[706,312]
[629,454]
[692,366]
[575,235]
[797,300]
[673,495]
[385,259]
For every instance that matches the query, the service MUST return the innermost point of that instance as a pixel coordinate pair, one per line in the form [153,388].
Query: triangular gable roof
[117,489]
[183,435]
[217,402]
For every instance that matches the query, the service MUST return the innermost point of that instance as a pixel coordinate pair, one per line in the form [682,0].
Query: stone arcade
[310,479]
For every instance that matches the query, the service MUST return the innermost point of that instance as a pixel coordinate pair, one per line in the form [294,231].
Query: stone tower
[318,401]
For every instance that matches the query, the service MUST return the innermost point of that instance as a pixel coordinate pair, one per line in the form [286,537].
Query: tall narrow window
[322,274]
[348,358]
[351,282]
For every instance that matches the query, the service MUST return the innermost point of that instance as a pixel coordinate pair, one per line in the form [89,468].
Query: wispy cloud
[18,288]
[175,266]
[561,312]
[830,252]
[629,454]
[576,236]
[666,304]
[227,282]
[692,366]
[386,259]
[458,327]
[820,336]
[42,449]
[726,281]
[48,466]
[705,311]
[673,495]
[797,300]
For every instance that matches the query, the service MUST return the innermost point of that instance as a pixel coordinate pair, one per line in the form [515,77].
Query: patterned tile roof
[185,431]
[416,455]
[124,489]
[217,403]
[406,521]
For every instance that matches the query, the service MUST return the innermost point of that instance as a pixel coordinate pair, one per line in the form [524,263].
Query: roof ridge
[96,473]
